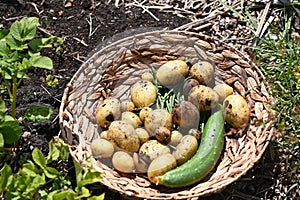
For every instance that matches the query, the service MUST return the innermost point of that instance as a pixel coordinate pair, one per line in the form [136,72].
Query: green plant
[30,181]
[278,57]
[10,131]
[51,80]
[20,52]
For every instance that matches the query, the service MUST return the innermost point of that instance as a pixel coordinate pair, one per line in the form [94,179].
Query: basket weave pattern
[114,68]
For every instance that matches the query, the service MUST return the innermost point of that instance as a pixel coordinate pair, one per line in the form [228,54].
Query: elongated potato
[172,72]
[102,148]
[236,111]
[203,97]
[160,166]
[185,149]
[186,115]
[123,162]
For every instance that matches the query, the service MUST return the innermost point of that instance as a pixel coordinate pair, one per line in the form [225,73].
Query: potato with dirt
[205,98]
[108,111]
[123,135]
[131,118]
[185,149]
[160,166]
[202,71]
[172,72]
[102,148]
[123,162]
[186,115]
[163,135]
[143,93]
[236,111]
[144,113]
[223,91]
[188,85]
[152,149]
[158,118]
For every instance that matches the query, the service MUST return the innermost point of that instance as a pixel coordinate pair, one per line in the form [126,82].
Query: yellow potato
[145,112]
[131,118]
[123,162]
[152,149]
[203,97]
[123,135]
[172,72]
[102,148]
[223,91]
[158,118]
[185,149]
[108,111]
[160,166]
[236,111]
[142,134]
[143,93]
[202,71]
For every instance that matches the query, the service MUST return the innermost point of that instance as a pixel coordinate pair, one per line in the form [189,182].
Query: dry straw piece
[114,67]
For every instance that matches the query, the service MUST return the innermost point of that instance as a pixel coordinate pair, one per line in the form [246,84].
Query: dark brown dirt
[71,23]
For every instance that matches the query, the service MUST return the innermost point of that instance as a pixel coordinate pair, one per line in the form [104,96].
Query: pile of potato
[136,132]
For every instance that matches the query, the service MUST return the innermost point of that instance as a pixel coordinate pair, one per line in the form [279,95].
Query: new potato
[108,111]
[236,110]
[158,118]
[123,135]
[143,93]
[172,72]
[203,97]
[203,71]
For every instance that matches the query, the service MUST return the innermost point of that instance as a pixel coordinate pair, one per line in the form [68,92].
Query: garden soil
[83,25]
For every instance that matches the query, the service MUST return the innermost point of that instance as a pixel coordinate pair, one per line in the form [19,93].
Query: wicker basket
[118,64]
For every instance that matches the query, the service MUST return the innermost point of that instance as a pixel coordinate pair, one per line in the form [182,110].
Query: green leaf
[78,171]
[1,141]
[16,44]
[2,106]
[51,172]
[10,130]
[90,177]
[67,195]
[5,173]
[63,149]
[83,193]
[4,49]
[24,29]
[100,197]
[38,113]
[40,43]
[41,62]
[3,33]
[53,152]
[39,158]
[30,169]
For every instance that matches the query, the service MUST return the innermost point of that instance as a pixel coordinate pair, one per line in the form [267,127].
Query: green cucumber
[205,159]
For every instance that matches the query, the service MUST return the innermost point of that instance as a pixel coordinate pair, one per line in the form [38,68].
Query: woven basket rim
[78,148]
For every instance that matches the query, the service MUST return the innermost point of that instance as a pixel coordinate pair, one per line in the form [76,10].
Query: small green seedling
[20,52]
[29,181]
